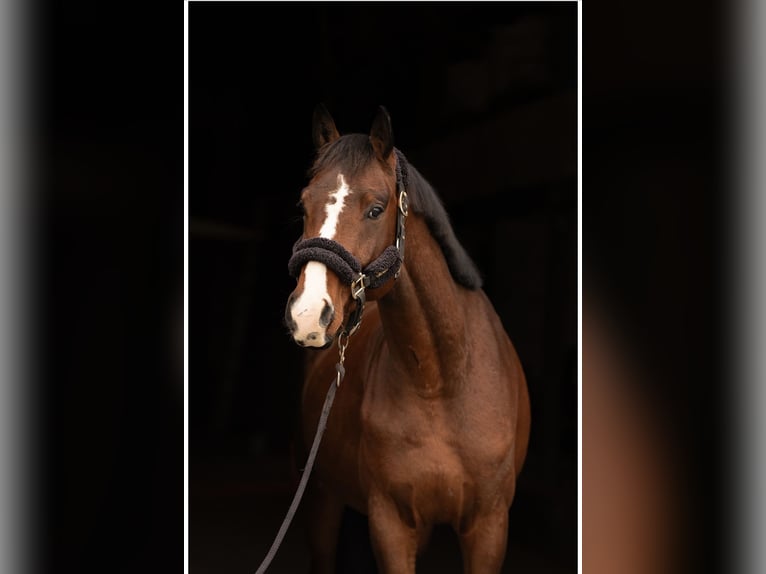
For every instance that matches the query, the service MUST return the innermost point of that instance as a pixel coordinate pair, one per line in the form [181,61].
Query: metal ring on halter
[404,204]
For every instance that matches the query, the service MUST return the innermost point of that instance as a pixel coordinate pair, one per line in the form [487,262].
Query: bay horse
[431,422]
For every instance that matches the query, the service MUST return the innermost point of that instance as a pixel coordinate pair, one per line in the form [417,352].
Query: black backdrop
[483,100]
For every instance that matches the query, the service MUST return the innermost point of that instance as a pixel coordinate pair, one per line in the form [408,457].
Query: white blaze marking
[333,209]
[307,309]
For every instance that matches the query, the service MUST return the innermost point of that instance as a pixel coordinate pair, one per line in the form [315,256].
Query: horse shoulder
[489,405]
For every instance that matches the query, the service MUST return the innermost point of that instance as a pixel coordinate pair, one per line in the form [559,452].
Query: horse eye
[375,212]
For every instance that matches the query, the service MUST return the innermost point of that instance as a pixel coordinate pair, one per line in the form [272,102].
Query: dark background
[106,262]
[105,289]
[106,268]
[483,100]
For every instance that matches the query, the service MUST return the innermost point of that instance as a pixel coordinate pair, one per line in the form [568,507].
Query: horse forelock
[349,154]
[352,153]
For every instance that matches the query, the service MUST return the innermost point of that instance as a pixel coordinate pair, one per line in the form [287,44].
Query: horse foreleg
[393,542]
[483,546]
[325,513]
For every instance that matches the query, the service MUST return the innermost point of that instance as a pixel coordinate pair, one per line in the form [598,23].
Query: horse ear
[381,134]
[323,127]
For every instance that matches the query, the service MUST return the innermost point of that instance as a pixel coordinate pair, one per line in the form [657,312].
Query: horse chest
[417,456]
[427,478]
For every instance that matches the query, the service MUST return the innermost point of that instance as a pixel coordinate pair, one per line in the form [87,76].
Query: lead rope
[340,373]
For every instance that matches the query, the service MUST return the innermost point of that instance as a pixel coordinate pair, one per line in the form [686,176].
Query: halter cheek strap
[347,267]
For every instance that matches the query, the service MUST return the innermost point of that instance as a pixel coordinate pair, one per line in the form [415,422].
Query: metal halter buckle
[398,245]
[357,286]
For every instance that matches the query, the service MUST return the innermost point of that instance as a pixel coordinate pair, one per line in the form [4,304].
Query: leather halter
[347,267]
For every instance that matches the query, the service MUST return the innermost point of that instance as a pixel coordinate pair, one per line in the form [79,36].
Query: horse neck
[424,317]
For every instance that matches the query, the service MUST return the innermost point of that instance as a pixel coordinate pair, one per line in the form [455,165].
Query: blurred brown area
[655,397]
[630,481]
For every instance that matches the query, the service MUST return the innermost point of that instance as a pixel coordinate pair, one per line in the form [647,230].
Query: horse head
[350,221]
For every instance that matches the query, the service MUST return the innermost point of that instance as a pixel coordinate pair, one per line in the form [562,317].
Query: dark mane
[352,152]
[425,201]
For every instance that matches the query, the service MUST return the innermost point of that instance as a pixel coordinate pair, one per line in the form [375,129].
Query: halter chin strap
[347,267]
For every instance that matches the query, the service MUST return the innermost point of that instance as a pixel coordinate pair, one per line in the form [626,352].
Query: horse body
[431,422]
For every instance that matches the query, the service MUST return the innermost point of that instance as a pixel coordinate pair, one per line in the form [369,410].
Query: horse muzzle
[308,321]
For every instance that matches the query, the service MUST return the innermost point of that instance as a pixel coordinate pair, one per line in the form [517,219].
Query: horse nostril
[327,315]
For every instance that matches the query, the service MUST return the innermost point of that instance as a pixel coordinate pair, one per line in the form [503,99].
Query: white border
[579,286]
[186,287]
[186,284]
